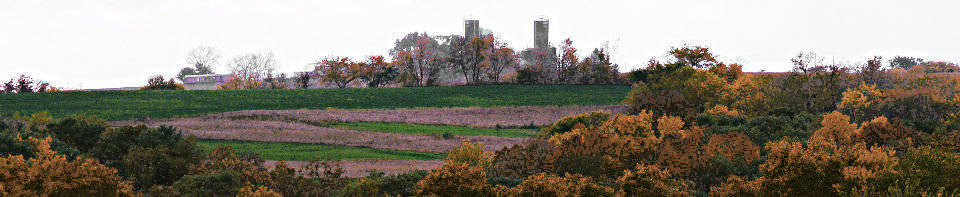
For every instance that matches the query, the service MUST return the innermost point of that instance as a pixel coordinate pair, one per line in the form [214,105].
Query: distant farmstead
[205,82]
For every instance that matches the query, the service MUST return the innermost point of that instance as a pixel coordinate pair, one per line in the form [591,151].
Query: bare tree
[250,70]
[200,60]
[256,65]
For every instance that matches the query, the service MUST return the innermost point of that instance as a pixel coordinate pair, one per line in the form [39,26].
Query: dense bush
[223,183]
[930,167]
[552,185]
[462,174]
[158,83]
[455,179]
[80,132]
[652,181]
[10,145]
[567,124]
[157,156]
[378,184]
[689,84]
[517,162]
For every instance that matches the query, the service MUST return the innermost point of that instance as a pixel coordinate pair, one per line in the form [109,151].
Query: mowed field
[126,105]
[390,130]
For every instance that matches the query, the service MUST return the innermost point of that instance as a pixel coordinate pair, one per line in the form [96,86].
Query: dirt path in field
[361,168]
[288,126]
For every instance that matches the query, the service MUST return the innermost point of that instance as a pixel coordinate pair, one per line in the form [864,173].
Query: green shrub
[224,183]
[157,83]
[364,187]
[291,182]
[504,181]
[79,131]
[152,156]
[768,128]
[402,184]
[567,124]
[10,146]
[930,168]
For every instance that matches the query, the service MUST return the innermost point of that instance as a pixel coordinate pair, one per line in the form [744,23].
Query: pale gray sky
[118,43]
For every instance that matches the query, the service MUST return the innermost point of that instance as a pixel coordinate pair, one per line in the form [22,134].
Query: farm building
[204,82]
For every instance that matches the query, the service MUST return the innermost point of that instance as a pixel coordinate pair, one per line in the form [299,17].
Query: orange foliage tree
[378,72]
[340,71]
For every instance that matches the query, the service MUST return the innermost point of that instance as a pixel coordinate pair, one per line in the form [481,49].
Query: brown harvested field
[289,126]
[278,131]
[465,116]
[360,168]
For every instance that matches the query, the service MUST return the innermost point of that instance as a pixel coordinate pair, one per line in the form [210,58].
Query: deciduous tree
[378,72]
[420,64]
[249,70]
[340,71]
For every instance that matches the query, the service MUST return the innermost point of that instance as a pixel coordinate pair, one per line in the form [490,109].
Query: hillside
[123,105]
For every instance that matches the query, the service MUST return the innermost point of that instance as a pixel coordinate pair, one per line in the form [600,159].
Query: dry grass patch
[277,131]
[466,116]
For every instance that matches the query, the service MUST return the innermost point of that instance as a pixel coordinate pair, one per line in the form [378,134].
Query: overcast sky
[120,43]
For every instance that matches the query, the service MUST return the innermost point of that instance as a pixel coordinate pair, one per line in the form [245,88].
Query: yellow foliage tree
[732,145]
[680,150]
[257,191]
[880,131]
[736,186]
[470,153]
[820,167]
[52,174]
[535,156]
[454,179]
[747,94]
[224,159]
[861,101]
[607,149]
[722,110]
[545,184]
[463,174]
[837,129]
[650,180]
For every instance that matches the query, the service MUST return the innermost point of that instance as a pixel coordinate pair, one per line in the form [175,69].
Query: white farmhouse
[205,82]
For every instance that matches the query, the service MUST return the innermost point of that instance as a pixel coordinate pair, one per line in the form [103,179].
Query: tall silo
[541,33]
[471,28]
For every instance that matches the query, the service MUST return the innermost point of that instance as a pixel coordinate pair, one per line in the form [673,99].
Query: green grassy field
[418,129]
[308,152]
[123,105]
